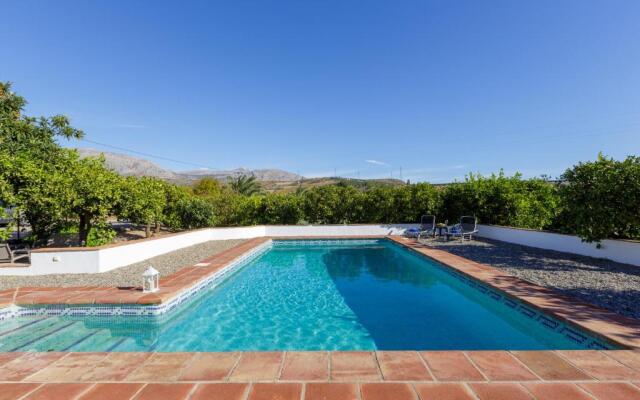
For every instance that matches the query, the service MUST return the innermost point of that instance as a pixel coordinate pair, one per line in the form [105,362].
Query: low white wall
[97,260]
[623,251]
[91,261]
[109,258]
[336,230]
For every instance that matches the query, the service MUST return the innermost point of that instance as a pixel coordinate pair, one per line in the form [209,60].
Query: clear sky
[439,88]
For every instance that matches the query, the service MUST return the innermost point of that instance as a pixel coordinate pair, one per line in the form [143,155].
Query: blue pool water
[317,295]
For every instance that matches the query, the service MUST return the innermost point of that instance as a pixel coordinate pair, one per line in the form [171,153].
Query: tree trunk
[83,230]
[157,226]
[147,230]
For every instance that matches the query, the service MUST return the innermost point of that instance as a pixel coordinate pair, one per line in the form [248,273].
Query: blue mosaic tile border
[324,242]
[110,310]
[545,320]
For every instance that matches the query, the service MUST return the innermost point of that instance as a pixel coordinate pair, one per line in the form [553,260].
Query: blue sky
[439,88]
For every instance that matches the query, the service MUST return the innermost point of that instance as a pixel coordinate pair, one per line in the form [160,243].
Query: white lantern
[150,280]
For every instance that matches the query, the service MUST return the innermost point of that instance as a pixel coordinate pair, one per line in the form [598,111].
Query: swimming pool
[318,295]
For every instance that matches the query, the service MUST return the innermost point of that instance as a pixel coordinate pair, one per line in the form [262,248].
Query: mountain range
[128,165]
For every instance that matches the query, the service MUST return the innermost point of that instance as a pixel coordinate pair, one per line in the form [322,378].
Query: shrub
[195,213]
[601,199]
[281,209]
[100,234]
[501,200]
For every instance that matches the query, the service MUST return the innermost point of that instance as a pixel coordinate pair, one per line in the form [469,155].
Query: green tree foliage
[143,201]
[601,199]
[96,193]
[501,200]
[245,185]
[194,212]
[207,187]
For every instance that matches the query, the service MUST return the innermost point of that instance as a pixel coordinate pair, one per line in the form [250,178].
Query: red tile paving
[112,391]
[451,366]
[599,365]
[612,391]
[629,358]
[67,369]
[28,364]
[549,366]
[58,391]
[334,375]
[275,391]
[254,367]
[402,366]
[354,366]
[500,366]
[115,367]
[331,391]
[210,367]
[10,391]
[500,391]
[386,391]
[557,391]
[443,391]
[161,367]
[305,366]
[165,391]
[220,391]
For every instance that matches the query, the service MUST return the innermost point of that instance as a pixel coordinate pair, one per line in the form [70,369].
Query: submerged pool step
[36,340]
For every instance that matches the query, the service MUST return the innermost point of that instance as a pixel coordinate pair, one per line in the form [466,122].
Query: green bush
[501,200]
[281,209]
[193,213]
[100,234]
[601,199]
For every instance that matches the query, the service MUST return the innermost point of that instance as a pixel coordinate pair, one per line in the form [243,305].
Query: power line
[148,154]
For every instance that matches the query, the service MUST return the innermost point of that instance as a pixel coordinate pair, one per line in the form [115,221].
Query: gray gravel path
[130,275]
[605,283]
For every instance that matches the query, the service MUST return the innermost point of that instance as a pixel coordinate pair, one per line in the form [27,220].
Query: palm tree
[245,185]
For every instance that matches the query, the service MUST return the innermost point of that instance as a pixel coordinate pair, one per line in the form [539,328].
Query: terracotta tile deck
[390,375]
[310,375]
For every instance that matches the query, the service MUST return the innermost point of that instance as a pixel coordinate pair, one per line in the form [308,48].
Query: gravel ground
[605,283]
[130,275]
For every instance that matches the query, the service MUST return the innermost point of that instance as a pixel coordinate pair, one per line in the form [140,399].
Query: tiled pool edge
[140,310]
[143,304]
[597,322]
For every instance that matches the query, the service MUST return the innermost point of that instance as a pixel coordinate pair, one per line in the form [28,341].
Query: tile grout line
[24,379]
[85,391]
[283,356]
[233,367]
[426,365]
[562,356]
[525,366]
[467,387]
[26,395]
[378,367]
[192,391]
[476,366]
[247,391]
[144,385]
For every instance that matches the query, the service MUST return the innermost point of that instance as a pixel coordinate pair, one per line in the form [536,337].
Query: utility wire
[148,154]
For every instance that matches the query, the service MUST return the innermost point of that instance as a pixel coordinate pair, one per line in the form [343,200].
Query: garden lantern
[150,281]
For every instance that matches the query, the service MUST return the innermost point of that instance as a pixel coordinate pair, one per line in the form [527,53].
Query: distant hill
[271,180]
[127,165]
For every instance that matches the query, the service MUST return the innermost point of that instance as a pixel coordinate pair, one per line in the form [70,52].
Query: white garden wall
[102,259]
[623,251]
